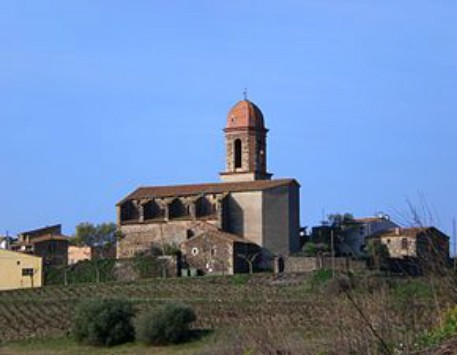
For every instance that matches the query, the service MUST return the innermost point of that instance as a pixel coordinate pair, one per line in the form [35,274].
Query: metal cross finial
[245,93]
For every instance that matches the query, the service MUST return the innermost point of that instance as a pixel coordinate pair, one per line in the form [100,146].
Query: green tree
[314,249]
[100,236]
[338,220]
[104,234]
[342,225]
[378,253]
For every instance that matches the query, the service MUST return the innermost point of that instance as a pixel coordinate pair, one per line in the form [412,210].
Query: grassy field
[261,315]
[66,346]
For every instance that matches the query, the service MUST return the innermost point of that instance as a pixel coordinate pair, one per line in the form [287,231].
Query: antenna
[324,221]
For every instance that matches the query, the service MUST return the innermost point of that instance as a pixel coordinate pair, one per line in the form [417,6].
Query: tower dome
[246,144]
[245,114]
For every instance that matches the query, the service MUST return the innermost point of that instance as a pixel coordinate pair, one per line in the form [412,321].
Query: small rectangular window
[27,272]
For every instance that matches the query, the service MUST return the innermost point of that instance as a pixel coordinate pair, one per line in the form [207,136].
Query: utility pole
[454,237]
[332,246]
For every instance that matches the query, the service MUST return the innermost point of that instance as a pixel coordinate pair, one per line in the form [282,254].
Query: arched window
[152,210]
[238,153]
[203,207]
[129,212]
[177,209]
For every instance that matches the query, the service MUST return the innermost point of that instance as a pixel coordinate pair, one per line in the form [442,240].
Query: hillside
[262,313]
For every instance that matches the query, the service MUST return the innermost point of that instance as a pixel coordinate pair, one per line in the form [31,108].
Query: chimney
[397,231]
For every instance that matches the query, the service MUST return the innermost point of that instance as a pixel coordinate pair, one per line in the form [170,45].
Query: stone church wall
[245,215]
[294,218]
[281,219]
[140,237]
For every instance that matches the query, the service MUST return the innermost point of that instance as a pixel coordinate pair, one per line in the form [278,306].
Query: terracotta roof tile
[368,219]
[44,238]
[55,229]
[215,188]
[50,237]
[245,114]
[222,235]
[407,232]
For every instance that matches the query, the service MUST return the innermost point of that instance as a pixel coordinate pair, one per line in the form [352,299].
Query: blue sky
[99,97]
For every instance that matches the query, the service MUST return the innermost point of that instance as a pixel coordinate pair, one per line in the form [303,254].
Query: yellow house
[19,270]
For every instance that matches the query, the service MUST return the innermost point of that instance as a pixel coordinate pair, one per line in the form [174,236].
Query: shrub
[83,272]
[311,249]
[321,277]
[103,322]
[412,289]
[166,325]
[447,330]
[147,266]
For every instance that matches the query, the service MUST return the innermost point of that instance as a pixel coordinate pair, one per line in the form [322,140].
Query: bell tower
[246,144]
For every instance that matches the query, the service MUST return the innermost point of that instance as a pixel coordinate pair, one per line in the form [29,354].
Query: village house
[425,245]
[349,236]
[248,203]
[18,270]
[358,230]
[5,242]
[78,253]
[218,253]
[83,253]
[411,251]
[47,242]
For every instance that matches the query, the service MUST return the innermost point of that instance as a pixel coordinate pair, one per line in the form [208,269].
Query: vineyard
[310,313]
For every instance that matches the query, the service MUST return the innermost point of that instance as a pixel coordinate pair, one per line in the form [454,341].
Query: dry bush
[386,319]
[266,340]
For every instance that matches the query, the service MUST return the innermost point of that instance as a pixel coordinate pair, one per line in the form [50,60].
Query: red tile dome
[245,114]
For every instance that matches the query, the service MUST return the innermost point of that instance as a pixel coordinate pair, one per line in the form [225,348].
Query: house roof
[54,229]
[44,238]
[408,232]
[368,219]
[220,235]
[198,189]
[4,252]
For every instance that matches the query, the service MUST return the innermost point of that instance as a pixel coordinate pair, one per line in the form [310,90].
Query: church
[214,224]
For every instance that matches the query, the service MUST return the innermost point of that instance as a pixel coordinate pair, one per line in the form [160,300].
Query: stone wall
[400,246]
[253,144]
[211,255]
[281,210]
[310,264]
[141,237]
[126,271]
